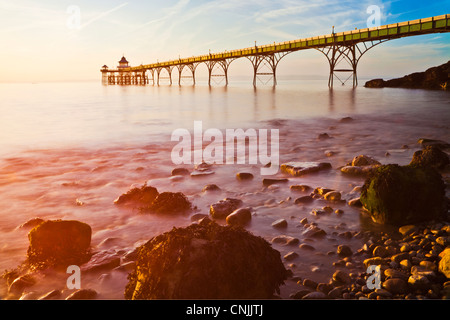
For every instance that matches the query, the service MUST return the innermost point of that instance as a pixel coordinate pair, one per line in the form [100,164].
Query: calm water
[63,142]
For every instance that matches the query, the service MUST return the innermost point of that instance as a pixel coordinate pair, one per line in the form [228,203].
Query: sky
[58,40]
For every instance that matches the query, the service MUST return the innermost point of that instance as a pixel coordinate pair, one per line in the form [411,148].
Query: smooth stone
[284,239]
[301,168]
[418,281]
[268,182]
[315,295]
[210,187]
[444,263]
[101,261]
[54,294]
[396,286]
[395,274]
[321,190]
[310,283]
[280,223]
[356,202]
[239,217]
[180,172]
[303,200]
[305,246]
[407,229]
[341,277]
[300,188]
[332,196]
[344,251]
[383,293]
[244,176]
[19,284]
[290,256]
[83,294]
[223,208]
[198,216]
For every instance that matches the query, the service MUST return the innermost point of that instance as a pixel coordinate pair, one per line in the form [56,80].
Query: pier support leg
[220,65]
[348,54]
[265,65]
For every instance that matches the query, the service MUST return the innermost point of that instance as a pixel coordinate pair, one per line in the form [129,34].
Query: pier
[343,51]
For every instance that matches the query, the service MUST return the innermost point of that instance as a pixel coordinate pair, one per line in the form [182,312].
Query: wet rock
[309,283]
[374,261]
[341,277]
[323,136]
[418,281]
[234,265]
[198,216]
[300,188]
[239,217]
[403,194]
[197,174]
[300,294]
[307,247]
[380,251]
[335,293]
[424,142]
[180,172]
[83,294]
[303,200]
[314,232]
[280,224]
[430,156]
[363,160]
[344,251]
[301,168]
[332,196]
[168,203]
[268,182]
[286,240]
[223,208]
[291,256]
[244,176]
[396,286]
[102,261]
[359,170]
[346,120]
[315,295]
[19,284]
[59,243]
[443,241]
[444,263]
[138,196]
[407,229]
[395,274]
[356,202]
[54,294]
[210,187]
[31,223]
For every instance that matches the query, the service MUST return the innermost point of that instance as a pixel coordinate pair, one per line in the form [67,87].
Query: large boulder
[400,195]
[430,156]
[206,261]
[59,243]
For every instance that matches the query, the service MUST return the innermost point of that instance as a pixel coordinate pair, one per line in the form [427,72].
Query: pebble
[300,187]
[341,277]
[396,286]
[305,246]
[344,251]
[244,176]
[315,295]
[291,256]
[303,200]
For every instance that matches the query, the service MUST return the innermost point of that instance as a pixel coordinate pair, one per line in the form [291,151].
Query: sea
[69,149]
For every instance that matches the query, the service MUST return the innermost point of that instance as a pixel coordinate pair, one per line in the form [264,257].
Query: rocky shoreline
[435,78]
[413,260]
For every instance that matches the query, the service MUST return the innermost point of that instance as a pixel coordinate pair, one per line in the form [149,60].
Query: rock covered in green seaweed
[206,261]
[401,195]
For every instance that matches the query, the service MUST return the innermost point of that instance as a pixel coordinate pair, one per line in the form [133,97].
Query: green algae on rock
[400,195]
[206,261]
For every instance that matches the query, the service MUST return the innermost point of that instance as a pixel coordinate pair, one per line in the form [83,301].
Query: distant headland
[435,78]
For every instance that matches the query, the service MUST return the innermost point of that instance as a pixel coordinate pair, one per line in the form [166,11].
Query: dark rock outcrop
[59,243]
[435,78]
[401,195]
[206,261]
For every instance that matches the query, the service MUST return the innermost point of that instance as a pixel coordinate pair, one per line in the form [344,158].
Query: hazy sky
[43,40]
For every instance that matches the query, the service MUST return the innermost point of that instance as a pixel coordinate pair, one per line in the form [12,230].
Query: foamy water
[64,142]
